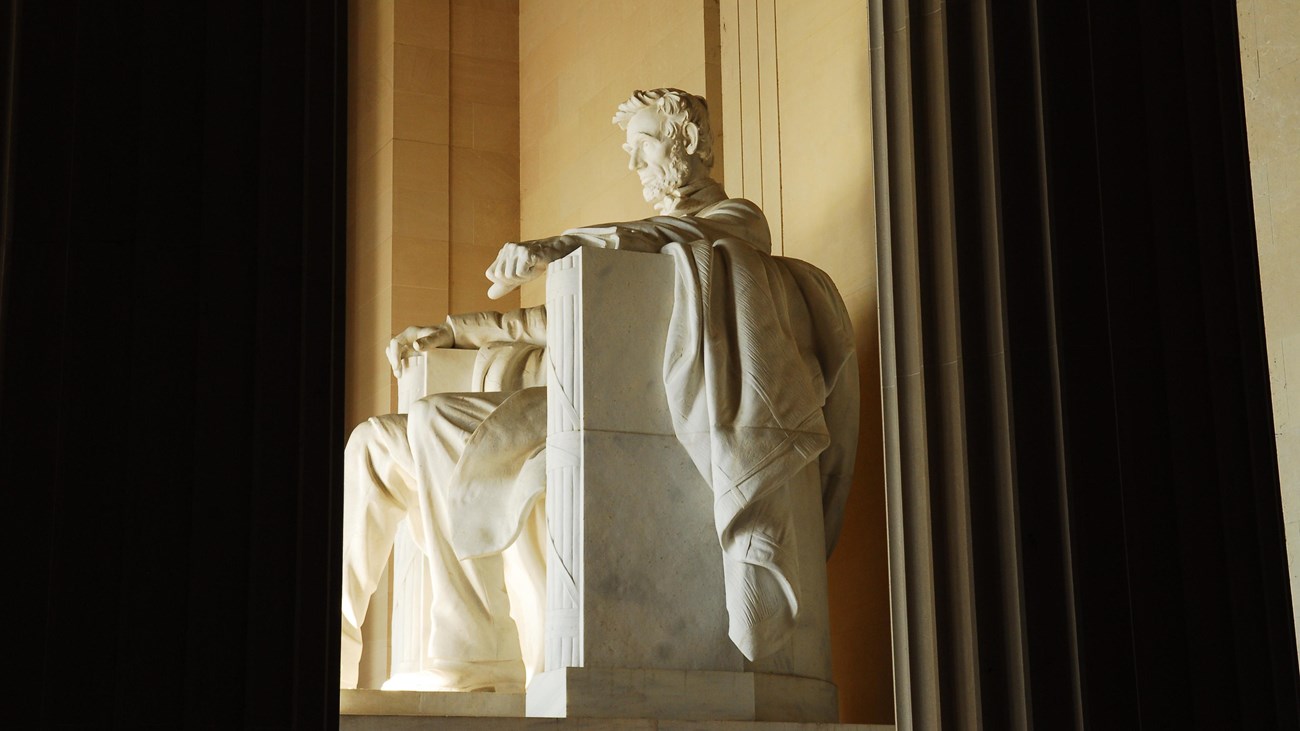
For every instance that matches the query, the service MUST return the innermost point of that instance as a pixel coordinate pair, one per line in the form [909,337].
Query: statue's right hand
[414,340]
[516,264]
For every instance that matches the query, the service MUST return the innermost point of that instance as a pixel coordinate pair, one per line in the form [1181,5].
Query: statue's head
[668,141]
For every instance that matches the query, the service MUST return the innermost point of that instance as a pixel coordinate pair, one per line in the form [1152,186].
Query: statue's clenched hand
[416,339]
[524,262]
[514,265]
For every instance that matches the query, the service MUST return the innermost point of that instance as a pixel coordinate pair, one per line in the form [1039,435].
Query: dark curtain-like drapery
[1083,491]
[170,381]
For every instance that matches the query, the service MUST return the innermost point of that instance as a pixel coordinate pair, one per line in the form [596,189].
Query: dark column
[1081,467]
[171,372]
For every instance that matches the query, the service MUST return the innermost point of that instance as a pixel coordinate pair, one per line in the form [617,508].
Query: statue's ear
[692,138]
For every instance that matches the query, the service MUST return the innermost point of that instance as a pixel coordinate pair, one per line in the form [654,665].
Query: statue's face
[660,163]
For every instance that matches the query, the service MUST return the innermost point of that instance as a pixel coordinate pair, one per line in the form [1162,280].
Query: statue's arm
[469,331]
[415,339]
[476,329]
[522,262]
[525,261]
[730,219]
[517,263]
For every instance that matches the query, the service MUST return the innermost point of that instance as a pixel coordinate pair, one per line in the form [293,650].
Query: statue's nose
[633,161]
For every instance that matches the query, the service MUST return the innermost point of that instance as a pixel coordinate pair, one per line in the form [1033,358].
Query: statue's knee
[367,434]
[431,408]
[361,436]
[366,431]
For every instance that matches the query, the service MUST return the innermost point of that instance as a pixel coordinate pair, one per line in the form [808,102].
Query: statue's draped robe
[761,378]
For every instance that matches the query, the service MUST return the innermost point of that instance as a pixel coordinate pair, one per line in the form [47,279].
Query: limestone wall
[369,200]
[433,172]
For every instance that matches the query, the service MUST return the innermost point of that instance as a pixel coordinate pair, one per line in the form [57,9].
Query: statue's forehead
[645,121]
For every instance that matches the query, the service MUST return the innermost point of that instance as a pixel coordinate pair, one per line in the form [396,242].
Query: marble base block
[681,694]
[418,703]
[414,723]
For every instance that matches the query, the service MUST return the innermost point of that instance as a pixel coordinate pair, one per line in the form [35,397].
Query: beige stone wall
[750,79]
[369,201]
[579,59]
[421,215]
[484,146]
[1270,65]
[433,172]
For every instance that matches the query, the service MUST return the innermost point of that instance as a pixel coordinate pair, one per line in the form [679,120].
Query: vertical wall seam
[776,87]
[758,85]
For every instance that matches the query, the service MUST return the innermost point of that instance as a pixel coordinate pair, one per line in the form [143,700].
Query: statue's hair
[678,109]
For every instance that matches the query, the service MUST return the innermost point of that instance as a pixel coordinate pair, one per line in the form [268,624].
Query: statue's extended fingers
[499,290]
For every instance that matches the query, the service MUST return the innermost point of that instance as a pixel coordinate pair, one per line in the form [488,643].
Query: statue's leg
[378,485]
[525,564]
[473,641]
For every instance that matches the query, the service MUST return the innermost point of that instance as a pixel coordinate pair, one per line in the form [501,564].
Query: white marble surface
[444,370]
[808,652]
[790,698]
[681,694]
[367,702]
[395,645]
[647,587]
[606,693]
[441,370]
[643,629]
[622,356]
[409,723]
[647,580]
[652,592]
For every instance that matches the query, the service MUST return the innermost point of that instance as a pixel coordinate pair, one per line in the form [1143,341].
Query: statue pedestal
[636,621]
[690,695]
[368,702]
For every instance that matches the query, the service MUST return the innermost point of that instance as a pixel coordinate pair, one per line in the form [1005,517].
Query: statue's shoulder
[732,207]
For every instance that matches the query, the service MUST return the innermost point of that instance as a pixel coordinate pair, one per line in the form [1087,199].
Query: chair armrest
[444,370]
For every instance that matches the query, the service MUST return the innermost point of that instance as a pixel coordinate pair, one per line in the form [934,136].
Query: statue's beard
[662,193]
